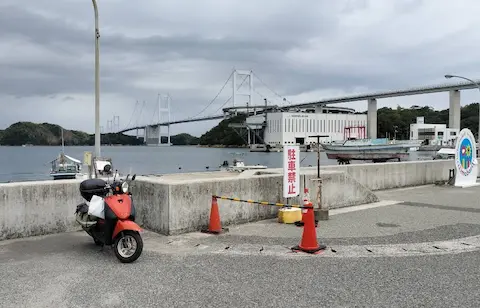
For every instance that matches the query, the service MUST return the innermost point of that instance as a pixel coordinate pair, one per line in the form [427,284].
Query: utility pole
[97,85]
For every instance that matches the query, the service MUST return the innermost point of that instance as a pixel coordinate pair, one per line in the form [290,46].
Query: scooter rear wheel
[128,246]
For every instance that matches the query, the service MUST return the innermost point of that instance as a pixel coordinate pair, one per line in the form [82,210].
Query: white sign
[291,171]
[466,167]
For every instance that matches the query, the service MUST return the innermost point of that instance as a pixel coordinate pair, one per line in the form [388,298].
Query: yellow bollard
[289,215]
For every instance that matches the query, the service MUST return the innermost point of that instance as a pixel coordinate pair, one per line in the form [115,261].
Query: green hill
[388,118]
[184,139]
[224,135]
[51,134]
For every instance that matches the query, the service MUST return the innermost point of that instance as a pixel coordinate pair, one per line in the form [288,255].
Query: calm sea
[32,163]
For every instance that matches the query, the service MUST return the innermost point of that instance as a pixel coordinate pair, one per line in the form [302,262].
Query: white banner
[291,171]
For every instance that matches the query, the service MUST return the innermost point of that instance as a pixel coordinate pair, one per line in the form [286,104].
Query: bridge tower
[158,133]
[238,91]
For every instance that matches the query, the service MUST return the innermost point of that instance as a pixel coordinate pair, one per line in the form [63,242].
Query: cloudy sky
[301,50]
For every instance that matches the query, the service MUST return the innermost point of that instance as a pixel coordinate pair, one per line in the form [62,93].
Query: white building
[435,133]
[289,128]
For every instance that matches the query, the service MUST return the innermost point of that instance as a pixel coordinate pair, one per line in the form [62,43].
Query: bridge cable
[140,115]
[216,96]
[280,96]
[156,107]
[133,113]
[230,96]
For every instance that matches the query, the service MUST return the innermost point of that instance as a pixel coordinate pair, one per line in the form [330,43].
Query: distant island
[222,135]
[29,133]
[46,134]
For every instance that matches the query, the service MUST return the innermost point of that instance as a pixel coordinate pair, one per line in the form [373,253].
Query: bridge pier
[454,109]
[154,134]
[372,119]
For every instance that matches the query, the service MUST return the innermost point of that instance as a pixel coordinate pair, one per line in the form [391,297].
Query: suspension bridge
[156,127]
[241,99]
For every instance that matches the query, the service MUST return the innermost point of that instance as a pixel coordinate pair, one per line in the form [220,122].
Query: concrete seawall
[35,208]
[174,204]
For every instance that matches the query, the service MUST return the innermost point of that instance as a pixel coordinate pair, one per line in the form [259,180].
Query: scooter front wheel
[128,246]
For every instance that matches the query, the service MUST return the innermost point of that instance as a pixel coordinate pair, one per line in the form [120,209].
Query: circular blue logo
[465,156]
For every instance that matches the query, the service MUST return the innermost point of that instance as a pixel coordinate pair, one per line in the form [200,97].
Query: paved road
[402,268]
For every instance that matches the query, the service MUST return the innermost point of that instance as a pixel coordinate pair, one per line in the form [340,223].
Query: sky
[298,50]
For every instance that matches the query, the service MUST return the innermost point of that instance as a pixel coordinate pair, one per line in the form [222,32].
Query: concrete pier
[454,109]
[372,119]
[179,203]
[154,134]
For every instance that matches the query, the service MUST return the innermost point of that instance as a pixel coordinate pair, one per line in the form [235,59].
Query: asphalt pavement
[420,249]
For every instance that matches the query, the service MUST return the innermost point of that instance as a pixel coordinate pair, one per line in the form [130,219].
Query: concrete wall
[187,206]
[379,176]
[151,200]
[37,208]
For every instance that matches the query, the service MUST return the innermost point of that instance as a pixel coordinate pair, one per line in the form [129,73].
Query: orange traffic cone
[309,242]
[214,226]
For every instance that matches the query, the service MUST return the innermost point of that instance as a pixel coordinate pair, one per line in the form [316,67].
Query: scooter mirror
[107,168]
[133,177]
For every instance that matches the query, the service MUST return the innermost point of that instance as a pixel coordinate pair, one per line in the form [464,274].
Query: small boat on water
[376,150]
[238,165]
[65,167]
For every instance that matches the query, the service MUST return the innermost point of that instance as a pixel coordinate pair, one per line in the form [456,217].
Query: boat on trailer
[375,150]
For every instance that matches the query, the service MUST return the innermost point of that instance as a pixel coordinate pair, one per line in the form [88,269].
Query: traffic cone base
[314,251]
[223,230]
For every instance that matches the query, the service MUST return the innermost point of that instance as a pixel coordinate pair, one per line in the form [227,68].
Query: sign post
[466,165]
[321,213]
[291,171]
[291,183]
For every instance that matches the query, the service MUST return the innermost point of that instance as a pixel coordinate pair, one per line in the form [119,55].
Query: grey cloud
[140,43]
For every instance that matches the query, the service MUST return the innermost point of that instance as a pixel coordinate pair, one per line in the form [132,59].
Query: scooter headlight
[125,187]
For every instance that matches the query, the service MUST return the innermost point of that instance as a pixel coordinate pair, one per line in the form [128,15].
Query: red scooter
[108,216]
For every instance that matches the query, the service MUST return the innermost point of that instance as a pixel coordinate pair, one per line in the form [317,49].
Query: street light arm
[465,78]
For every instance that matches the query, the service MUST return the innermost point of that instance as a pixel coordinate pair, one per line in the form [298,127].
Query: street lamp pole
[478,86]
[97,85]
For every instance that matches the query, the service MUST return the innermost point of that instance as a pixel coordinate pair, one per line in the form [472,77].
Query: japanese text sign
[291,171]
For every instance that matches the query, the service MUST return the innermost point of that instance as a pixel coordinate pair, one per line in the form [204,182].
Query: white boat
[238,165]
[445,153]
[65,167]
[376,150]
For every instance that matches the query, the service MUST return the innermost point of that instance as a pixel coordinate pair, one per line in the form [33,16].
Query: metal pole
[97,86]
[318,157]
